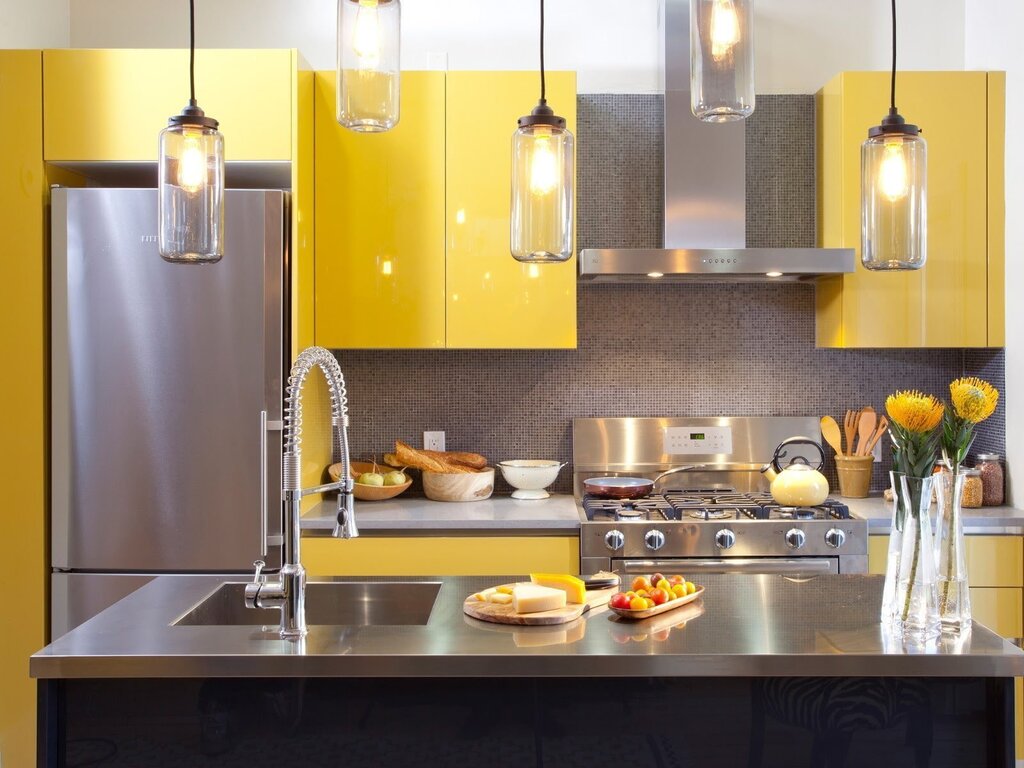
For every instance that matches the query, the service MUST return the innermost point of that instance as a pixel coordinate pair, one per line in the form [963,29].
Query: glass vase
[954,594]
[890,616]
[917,595]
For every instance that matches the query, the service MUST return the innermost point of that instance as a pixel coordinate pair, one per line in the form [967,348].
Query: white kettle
[798,484]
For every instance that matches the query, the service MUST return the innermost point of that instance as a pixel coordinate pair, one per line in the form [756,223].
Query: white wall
[34,24]
[615,45]
[993,42]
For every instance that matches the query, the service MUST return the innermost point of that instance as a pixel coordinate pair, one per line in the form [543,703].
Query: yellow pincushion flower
[914,411]
[974,399]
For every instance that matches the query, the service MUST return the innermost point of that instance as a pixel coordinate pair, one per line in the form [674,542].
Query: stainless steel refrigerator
[166,397]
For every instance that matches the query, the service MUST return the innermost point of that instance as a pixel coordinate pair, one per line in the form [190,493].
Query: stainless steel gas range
[710,510]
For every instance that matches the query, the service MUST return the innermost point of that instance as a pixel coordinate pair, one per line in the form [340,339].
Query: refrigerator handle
[263,483]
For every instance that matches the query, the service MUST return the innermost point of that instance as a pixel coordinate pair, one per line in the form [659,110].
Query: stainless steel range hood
[705,199]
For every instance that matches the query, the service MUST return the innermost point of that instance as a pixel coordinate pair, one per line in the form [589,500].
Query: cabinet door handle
[263,483]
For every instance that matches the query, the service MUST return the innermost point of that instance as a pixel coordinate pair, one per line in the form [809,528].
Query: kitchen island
[764,670]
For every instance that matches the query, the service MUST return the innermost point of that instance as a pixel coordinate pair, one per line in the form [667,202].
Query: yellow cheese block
[574,588]
[501,598]
[533,598]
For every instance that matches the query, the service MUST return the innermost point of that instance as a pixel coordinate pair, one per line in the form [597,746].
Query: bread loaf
[444,462]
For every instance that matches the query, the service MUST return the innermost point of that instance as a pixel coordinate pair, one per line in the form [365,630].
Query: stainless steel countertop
[993,521]
[418,516]
[744,626]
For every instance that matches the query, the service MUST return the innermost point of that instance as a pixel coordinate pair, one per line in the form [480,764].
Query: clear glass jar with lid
[991,479]
[973,491]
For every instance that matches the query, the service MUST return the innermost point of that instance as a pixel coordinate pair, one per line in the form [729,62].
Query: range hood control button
[835,538]
[725,538]
[654,540]
[795,538]
[614,540]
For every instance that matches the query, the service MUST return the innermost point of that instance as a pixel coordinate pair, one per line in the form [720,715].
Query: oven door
[788,566]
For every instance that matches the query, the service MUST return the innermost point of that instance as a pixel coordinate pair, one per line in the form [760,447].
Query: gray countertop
[985,520]
[743,626]
[418,516]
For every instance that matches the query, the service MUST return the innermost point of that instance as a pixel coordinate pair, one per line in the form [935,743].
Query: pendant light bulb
[369,69]
[725,29]
[892,176]
[894,160]
[543,167]
[366,35]
[190,195]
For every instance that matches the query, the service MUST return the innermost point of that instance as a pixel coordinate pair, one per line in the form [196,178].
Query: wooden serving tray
[629,613]
[503,614]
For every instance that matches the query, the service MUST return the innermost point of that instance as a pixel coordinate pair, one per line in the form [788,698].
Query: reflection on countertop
[994,521]
[498,515]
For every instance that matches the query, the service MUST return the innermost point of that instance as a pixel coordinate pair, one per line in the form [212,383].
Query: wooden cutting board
[503,614]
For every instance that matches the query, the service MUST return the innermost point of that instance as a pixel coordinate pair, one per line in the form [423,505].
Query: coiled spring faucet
[288,591]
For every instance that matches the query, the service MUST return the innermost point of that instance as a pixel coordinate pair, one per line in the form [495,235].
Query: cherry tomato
[620,600]
[656,578]
[659,596]
[641,582]
[638,603]
[690,587]
[663,584]
[679,590]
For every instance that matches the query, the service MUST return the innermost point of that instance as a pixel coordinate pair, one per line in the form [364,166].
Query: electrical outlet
[877,450]
[433,441]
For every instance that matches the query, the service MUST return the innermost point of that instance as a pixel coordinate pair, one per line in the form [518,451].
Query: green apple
[395,477]
[370,478]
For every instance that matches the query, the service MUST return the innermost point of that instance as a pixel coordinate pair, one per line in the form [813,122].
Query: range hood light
[655,274]
[542,181]
[773,274]
[190,202]
[893,162]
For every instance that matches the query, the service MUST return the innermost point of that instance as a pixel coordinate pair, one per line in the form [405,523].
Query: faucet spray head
[346,528]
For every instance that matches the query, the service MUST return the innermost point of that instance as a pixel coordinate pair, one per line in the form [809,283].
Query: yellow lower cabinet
[995,561]
[947,303]
[494,301]
[440,555]
[379,223]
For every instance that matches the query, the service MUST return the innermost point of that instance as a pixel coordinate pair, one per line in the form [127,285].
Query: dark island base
[515,722]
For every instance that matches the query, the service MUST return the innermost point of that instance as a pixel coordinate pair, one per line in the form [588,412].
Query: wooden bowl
[459,486]
[369,492]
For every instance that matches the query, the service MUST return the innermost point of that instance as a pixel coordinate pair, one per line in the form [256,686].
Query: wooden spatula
[865,430]
[883,425]
[830,431]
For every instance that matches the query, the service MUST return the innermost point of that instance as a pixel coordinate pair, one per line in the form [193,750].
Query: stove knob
[725,538]
[654,540]
[614,540]
[835,537]
[795,538]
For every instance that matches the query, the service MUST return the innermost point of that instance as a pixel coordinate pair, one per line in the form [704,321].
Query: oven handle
[791,567]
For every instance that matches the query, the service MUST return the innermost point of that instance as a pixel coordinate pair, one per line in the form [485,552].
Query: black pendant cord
[544,99]
[892,83]
[192,51]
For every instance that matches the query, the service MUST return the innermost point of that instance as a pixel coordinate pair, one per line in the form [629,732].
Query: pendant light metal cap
[893,124]
[542,114]
[193,116]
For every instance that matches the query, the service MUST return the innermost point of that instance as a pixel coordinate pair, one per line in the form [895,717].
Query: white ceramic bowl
[530,476]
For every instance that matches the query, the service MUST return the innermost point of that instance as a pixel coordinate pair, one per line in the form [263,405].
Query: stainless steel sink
[333,603]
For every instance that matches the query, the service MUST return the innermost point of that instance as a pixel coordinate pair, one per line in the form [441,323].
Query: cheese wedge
[574,588]
[533,598]
[482,596]
[501,598]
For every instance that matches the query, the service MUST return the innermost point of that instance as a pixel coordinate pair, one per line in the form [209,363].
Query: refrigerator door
[75,597]
[166,387]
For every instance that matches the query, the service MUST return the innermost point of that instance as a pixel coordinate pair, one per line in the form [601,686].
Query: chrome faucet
[288,591]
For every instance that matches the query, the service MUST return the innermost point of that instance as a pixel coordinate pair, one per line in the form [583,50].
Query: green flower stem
[949,553]
[913,575]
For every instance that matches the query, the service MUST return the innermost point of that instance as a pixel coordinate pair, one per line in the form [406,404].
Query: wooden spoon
[830,431]
[881,429]
[850,428]
[865,430]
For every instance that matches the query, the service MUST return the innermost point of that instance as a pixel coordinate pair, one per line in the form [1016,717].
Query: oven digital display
[697,436]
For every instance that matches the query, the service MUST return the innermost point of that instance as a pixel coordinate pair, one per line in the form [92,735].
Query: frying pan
[618,487]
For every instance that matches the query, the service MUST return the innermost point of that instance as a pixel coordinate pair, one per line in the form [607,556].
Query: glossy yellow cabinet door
[379,223]
[947,303]
[109,105]
[493,300]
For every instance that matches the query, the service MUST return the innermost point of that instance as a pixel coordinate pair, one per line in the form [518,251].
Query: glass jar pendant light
[368,64]
[893,165]
[542,181]
[191,179]
[721,59]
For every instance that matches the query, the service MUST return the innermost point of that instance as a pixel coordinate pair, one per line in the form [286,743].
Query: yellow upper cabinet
[110,105]
[492,299]
[380,223]
[956,299]
[412,225]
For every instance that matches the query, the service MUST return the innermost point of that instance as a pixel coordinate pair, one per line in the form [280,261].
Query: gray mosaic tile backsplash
[667,350]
